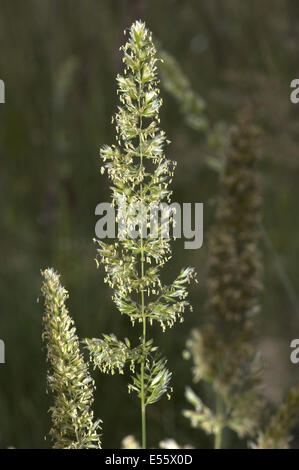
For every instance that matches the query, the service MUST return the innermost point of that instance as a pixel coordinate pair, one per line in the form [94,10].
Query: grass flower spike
[73,426]
[141,174]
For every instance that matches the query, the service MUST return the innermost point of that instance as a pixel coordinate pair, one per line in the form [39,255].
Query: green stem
[143,406]
[218,434]
[218,439]
[143,414]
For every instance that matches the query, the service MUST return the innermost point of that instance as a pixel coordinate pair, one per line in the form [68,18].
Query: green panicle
[139,171]
[73,425]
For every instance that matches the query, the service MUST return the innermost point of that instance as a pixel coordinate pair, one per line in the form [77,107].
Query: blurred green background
[59,60]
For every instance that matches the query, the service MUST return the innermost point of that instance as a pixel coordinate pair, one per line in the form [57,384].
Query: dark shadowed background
[59,60]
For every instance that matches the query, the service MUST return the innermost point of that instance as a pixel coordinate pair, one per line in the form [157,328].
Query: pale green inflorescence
[139,171]
[73,425]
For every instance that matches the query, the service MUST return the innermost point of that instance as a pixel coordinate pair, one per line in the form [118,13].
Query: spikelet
[73,425]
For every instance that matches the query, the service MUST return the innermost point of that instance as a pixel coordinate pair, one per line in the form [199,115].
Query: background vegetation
[59,60]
